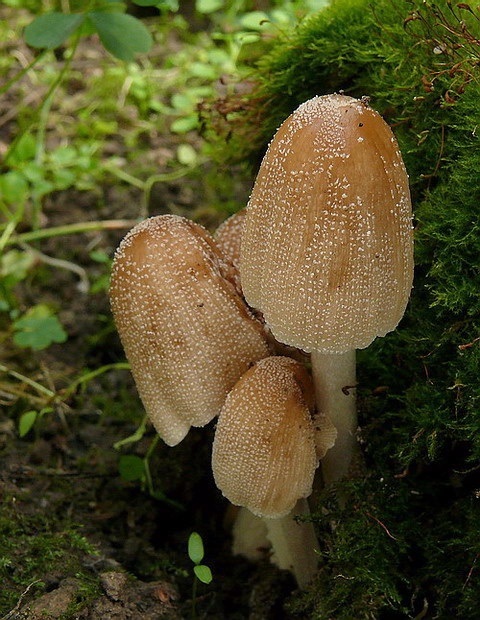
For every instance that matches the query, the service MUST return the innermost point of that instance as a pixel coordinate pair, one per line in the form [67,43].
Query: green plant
[121,34]
[38,328]
[30,418]
[135,468]
[201,571]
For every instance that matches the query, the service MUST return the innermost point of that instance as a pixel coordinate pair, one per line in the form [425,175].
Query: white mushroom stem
[334,379]
[249,535]
[294,544]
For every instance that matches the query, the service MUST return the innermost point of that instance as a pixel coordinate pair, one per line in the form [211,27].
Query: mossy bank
[407,542]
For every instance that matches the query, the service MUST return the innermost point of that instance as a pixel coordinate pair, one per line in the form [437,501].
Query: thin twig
[11,614]
[70,229]
[471,571]
[469,344]
[60,263]
[37,386]
[381,525]
[21,73]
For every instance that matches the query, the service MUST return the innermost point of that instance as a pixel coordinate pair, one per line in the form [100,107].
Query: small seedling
[202,572]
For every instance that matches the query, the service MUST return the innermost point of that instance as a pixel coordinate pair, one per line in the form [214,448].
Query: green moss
[419,391]
[35,546]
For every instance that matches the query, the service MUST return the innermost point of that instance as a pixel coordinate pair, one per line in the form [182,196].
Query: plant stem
[20,74]
[37,386]
[91,375]
[294,544]
[42,125]
[70,229]
[334,379]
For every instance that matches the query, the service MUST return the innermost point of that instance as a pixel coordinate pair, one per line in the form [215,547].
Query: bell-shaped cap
[228,237]
[327,245]
[264,455]
[186,332]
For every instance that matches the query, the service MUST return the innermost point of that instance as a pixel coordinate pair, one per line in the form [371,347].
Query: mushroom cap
[264,454]
[228,237]
[186,333]
[327,246]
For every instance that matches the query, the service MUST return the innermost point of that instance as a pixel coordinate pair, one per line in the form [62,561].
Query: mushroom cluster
[323,255]
[196,352]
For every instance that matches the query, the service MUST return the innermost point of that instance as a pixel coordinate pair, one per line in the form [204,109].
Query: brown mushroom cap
[264,449]
[327,247]
[228,237]
[187,334]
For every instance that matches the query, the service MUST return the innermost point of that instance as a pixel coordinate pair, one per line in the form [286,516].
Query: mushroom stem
[334,380]
[294,544]
[249,535]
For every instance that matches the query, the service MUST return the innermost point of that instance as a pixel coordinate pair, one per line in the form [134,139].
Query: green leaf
[13,187]
[122,35]
[102,283]
[203,573]
[195,548]
[50,30]
[64,178]
[27,420]
[63,155]
[316,5]
[43,187]
[15,264]
[182,102]
[186,154]
[33,172]
[158,495]
[208,6]
[38,332]
[131,467]
[185,124]
[24,149]
[255,20]
[202,70]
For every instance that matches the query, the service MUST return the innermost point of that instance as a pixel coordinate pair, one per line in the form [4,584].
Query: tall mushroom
[186,332]
[327,246]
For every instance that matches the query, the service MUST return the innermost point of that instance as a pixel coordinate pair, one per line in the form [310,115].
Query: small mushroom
[264,453]
[264,458]
[186,332]
[327,246]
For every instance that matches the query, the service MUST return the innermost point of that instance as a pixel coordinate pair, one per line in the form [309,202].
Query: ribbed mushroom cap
[264,449]
[327,247]
[228,237]
[187,334]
